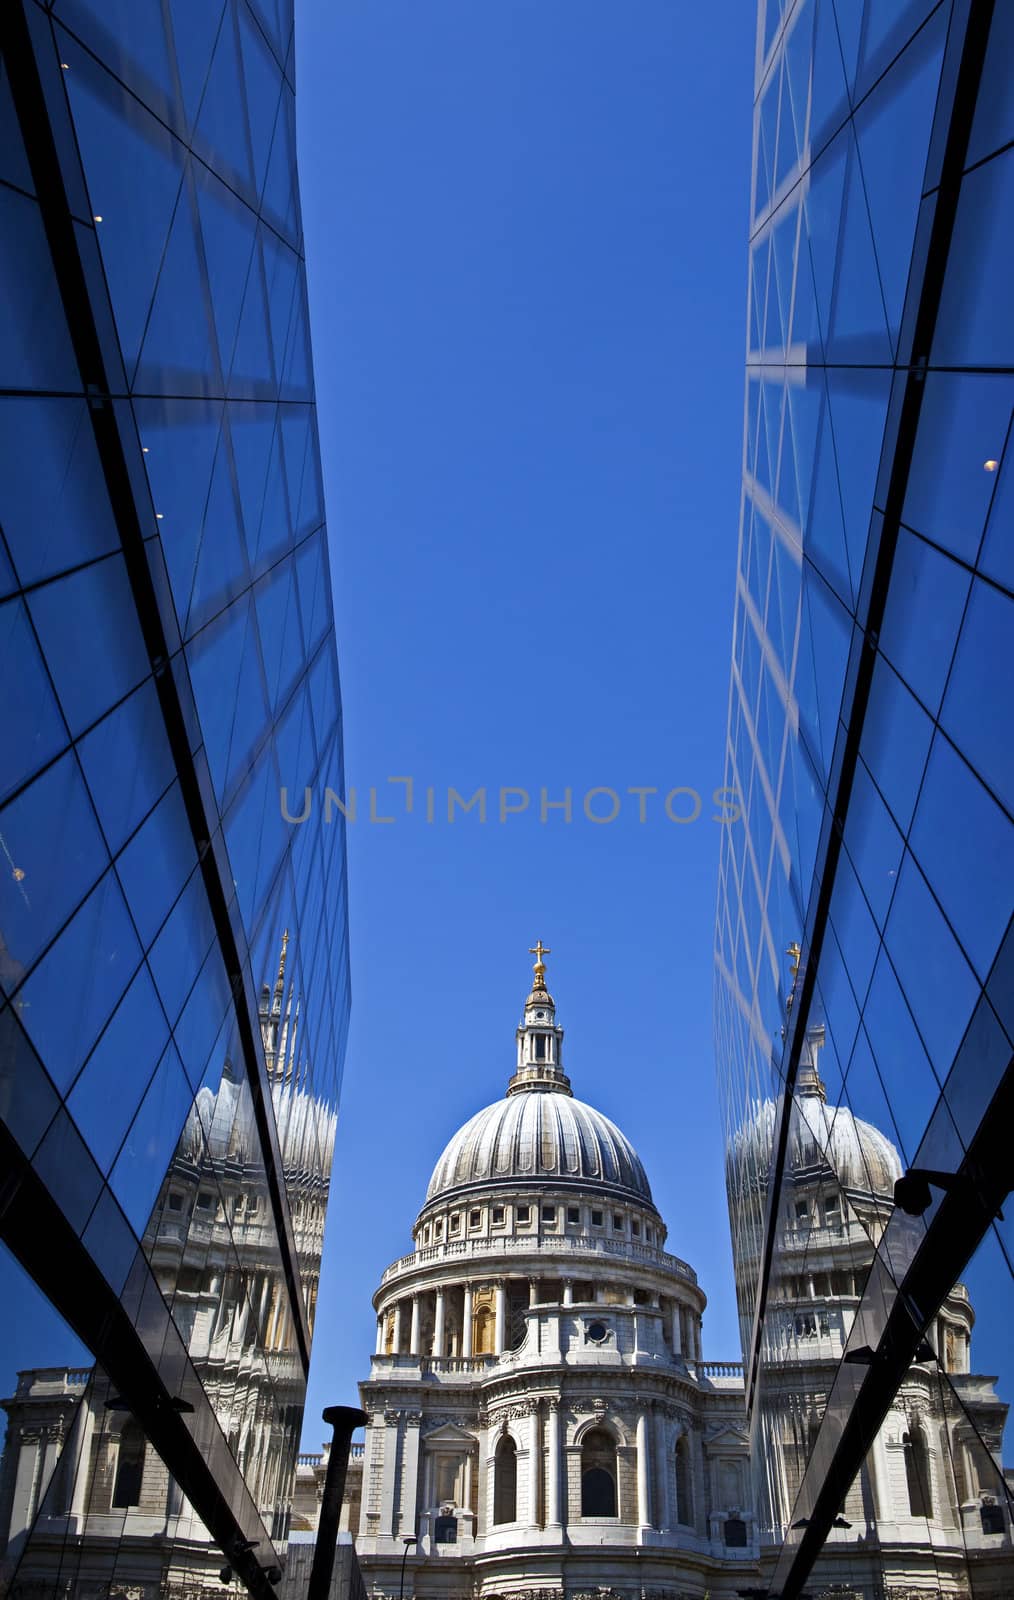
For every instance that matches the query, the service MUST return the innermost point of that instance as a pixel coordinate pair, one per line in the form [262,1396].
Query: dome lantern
[539,1040]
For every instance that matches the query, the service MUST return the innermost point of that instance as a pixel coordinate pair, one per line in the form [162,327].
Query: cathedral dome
[542,1133]
[823,1139]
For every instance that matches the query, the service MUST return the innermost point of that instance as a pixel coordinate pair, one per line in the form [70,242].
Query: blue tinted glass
[53,504]
[153,1135]
[938,983]
[127,763]
[28,1098]
[157,863]
[825,524]
[978,709]
[75,987]
[34,730]
[262,81]
[229,229]
[909,1081]
[195,29]
[201,1019]
[859,324]
[179,951]
[975,324]
[994,107]
[35,348]
[874,844]
[280,202]
[925,605]
[222,133]
[14,166]
[68,1171]
[858,402]
[823,655]
[965,846]
[221,570]
[895,742]
[178,355]
[996,557]
[87,626]
[116,1075]
[133,167]
[893,129]
[214,658]
[823,221]
[129,36]
[963,424]
[54,853]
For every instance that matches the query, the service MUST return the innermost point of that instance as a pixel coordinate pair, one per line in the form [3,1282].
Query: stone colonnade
[471,1319]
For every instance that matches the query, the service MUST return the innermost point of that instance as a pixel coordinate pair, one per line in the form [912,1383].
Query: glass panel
[53,503]
[975,323]
[89,617]
[54,853]
[978,709]
[925,606]
[70,994]
[34,730]
[965,846]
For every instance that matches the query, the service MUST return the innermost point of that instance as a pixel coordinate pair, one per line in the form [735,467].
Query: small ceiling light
[159,515]
[19,874]
[96,219]
[65,65]
[144,449]
[991,465]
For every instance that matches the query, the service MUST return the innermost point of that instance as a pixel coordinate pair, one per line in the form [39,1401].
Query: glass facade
[864,948]
[174,985]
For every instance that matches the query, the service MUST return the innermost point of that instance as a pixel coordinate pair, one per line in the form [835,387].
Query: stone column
[393,1426]
[466,1322]
[396,1341]
[82,1477]
[23,1506]
[568,1291]
[501,1318]
[380,1336]
[533,1291]
[677,1337]
[553,1518]
[643,1474]
[410,1471]
[534,1464]
[438,1324]
[882,1480]
[413,1332]
[661,1471]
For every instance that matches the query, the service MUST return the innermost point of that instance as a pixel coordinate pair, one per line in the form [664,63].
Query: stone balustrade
[489,1250]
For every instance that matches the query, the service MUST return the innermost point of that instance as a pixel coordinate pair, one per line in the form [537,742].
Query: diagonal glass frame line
[79,1291]
[840,1448]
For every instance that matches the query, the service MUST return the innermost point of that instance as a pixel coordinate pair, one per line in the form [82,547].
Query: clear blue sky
[526,237]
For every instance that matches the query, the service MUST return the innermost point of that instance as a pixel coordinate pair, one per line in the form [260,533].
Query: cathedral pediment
[448,1433]
[727,1437]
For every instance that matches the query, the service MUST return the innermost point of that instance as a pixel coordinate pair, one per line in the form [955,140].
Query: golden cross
[538,950]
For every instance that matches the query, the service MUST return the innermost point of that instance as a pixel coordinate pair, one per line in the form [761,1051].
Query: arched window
[483,1328]
[920,1499]
[505,1481]
[735,1533]
[684,1483]
[129,1466]
[598,1474]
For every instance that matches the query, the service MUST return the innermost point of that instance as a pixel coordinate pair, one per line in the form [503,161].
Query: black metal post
[344,1420]
[407,1540]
